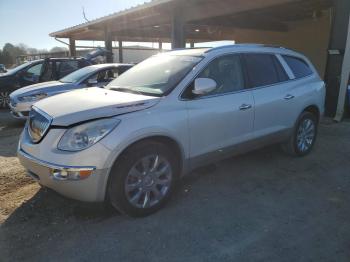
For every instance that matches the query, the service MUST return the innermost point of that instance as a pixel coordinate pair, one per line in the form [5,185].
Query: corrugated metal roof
[139,7]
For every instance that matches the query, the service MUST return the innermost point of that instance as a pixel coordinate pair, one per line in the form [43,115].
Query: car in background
[42,70]
[22,99]
[2,68]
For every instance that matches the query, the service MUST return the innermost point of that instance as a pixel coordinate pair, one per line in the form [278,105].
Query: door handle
[288,97]
[245,107]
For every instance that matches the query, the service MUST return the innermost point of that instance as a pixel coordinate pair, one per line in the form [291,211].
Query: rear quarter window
[298,66]
[263,70]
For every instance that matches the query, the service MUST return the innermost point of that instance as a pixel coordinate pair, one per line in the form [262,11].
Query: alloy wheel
[306,135]
[148,181]
[4,99]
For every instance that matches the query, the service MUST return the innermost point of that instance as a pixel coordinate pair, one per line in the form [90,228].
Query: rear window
[263,70]
[298,66]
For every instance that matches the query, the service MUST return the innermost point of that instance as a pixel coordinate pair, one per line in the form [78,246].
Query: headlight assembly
[32,98]
[85,135]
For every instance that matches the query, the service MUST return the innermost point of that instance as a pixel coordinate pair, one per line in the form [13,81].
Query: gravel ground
[262,206]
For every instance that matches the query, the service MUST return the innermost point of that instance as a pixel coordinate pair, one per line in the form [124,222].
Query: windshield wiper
[127,90]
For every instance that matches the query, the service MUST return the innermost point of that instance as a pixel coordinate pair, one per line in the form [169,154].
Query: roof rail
[187,48]
[243,45]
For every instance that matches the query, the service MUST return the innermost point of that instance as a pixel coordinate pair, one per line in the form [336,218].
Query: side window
[261,69]
[47,74]
[34,70]
[113,73]
[92,78]
[226,71]
[298,66]
[67,67]
[102,76]
[32,74]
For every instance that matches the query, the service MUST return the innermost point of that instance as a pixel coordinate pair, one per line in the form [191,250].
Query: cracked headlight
[85,135]
[32,98]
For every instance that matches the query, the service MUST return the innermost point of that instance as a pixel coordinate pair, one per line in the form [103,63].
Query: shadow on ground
[10,128]
[262,206]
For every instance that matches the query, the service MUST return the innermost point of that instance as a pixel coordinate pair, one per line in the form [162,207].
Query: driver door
[223,119]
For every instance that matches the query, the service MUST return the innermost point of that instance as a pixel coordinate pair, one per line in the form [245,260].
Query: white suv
[130,142]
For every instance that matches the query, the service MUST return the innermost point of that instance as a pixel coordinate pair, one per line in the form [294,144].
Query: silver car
[100,75]
[173,112]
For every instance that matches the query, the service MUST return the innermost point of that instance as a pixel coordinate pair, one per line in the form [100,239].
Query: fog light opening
[70,174]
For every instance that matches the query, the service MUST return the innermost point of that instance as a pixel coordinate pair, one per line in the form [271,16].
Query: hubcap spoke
[155,163]
[135,199]
[162,170]
[131,187]
[146,199]
[162,182]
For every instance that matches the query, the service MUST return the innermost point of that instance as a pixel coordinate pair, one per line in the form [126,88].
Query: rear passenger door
[273,96]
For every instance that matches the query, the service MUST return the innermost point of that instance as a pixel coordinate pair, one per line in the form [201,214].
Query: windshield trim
[167,92]
[80,79]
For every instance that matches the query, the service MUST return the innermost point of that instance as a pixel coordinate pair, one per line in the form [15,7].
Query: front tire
[142,179]
[304,135]
[4,99]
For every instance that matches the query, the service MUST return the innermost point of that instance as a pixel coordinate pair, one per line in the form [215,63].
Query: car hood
[45,87]
[92,103]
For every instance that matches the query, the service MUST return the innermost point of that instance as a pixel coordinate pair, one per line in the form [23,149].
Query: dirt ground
[15,186]
[262,206]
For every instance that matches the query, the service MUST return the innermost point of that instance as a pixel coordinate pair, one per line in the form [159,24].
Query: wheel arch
[314,110]
[165,139]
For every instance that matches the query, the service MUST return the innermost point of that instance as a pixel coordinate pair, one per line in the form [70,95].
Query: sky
[31,21]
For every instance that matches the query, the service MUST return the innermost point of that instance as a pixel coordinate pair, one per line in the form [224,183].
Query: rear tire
[303,137]
[143,178]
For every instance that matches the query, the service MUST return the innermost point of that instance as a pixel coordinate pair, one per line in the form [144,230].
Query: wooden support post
[72,49]
[335,61]
[344,79]
[120,50]
[108,46]
[177,29]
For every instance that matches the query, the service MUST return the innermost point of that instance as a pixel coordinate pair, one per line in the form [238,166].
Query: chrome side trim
[55,166]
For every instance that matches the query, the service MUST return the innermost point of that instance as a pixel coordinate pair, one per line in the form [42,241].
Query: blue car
[22,99]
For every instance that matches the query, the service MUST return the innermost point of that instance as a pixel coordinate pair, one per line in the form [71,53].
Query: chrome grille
[38,124]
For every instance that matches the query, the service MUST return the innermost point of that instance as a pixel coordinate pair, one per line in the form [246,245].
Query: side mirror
[92,82]
[204,86]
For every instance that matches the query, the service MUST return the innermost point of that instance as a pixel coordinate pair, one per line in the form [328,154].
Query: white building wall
[132,55]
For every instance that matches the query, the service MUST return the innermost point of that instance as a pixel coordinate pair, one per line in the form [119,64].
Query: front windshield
[156,75]
[78,75]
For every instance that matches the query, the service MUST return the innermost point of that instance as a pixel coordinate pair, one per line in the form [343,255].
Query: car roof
[236,48]
[110,65]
